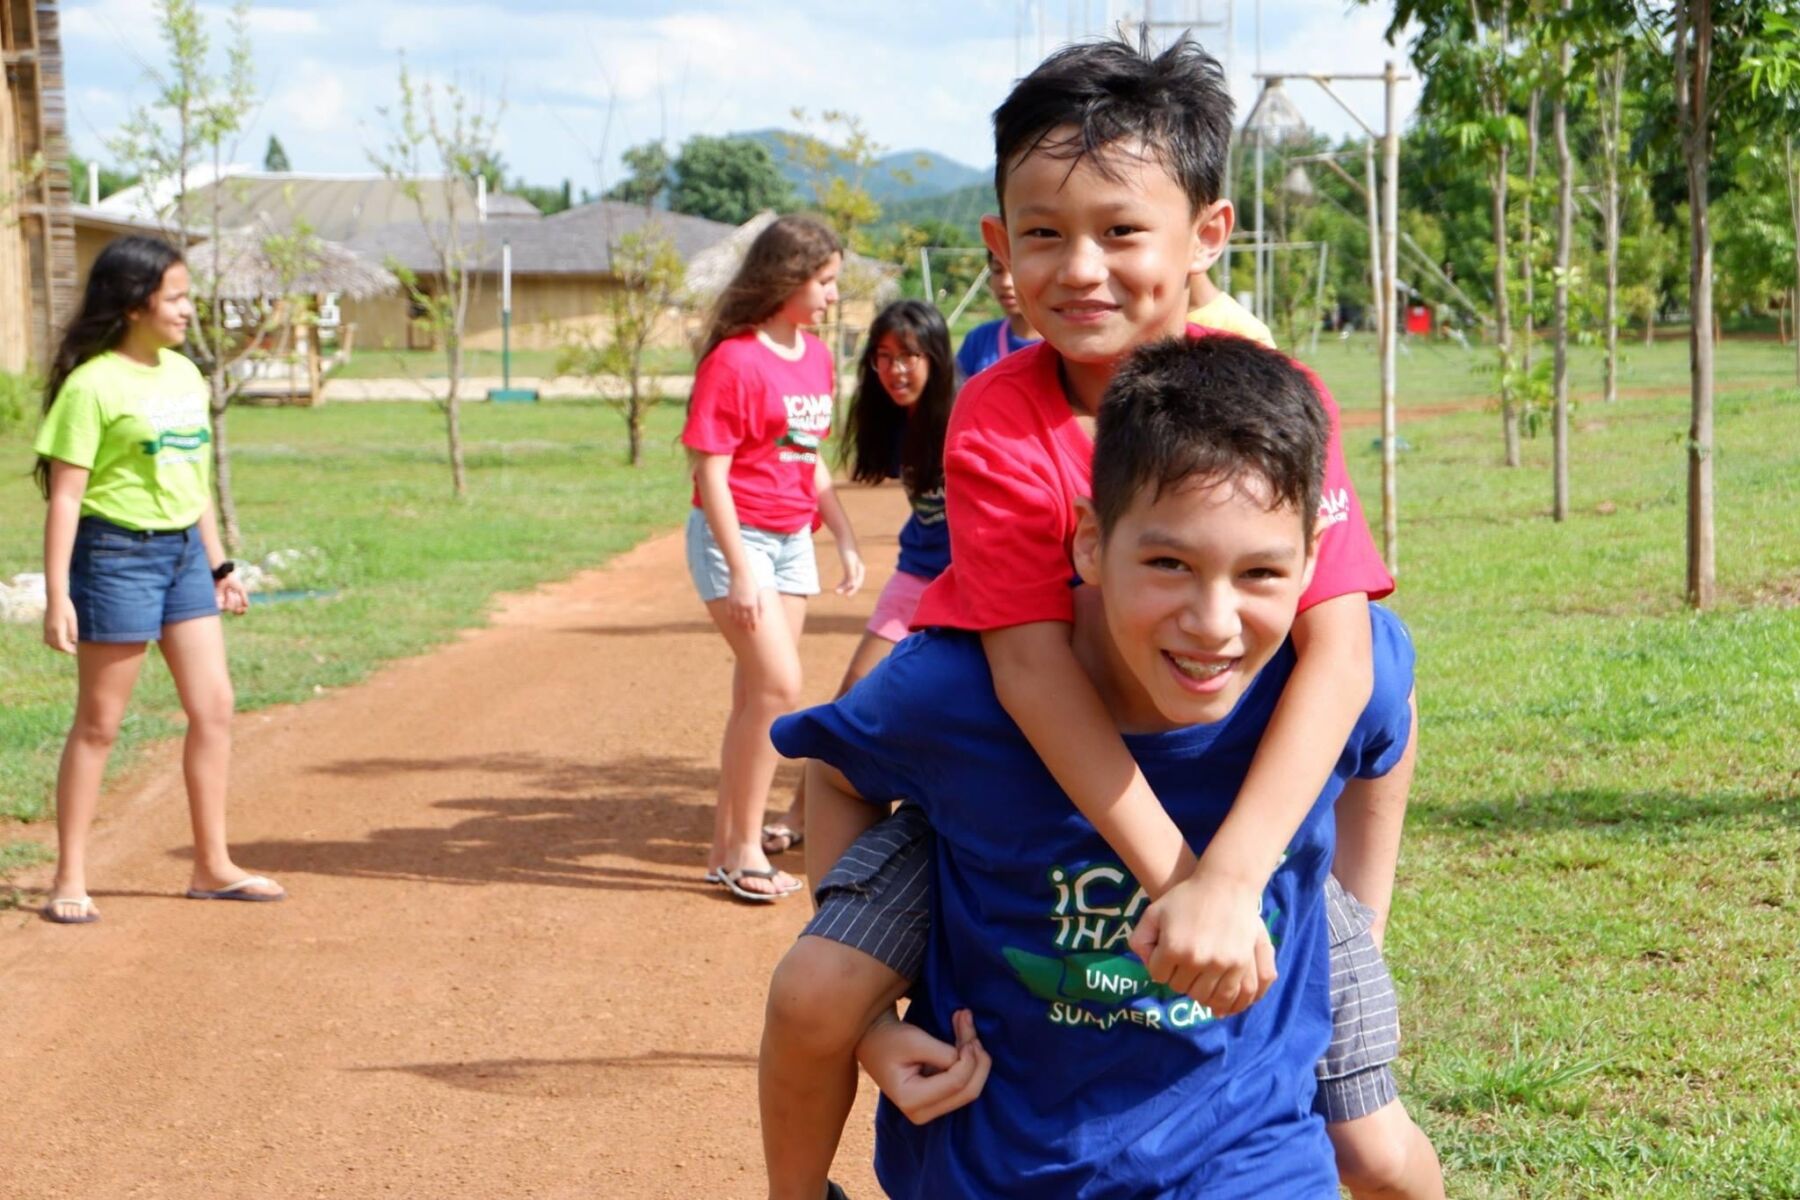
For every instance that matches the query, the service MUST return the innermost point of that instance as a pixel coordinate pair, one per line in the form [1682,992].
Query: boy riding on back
[1108,170]
[1197,544]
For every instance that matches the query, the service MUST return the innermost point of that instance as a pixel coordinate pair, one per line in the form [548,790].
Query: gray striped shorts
[877,899]
[1356,1076]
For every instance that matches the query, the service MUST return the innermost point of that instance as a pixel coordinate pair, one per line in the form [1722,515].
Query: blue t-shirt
[985,345]
[1104,1084]
[925,538]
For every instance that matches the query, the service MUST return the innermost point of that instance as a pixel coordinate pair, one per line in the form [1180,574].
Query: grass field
[1595,924]
[365,490]
[526,364]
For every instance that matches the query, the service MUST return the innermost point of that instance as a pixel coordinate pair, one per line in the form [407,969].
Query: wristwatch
[223,569]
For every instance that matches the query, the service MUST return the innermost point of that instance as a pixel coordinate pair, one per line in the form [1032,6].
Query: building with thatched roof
[562,271]
[337,207]
[37,239]
[292,287]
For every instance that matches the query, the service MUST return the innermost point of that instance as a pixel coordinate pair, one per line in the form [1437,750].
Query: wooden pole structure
[1390,243]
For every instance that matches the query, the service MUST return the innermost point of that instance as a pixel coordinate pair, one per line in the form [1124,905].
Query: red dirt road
[498,975]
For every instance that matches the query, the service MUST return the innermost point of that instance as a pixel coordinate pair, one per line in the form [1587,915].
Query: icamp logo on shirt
[808,421]
[171,439]
[1334,508]
[1098,982]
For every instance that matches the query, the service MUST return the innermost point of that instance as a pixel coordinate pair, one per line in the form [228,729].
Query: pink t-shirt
[770,415]
[1015,459]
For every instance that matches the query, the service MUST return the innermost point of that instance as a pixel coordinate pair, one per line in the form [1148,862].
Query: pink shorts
[892,618]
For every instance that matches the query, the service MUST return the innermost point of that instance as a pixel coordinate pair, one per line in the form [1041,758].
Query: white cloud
[578,75]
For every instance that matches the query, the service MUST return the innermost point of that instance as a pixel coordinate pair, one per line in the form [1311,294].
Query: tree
[649,166]
[1737,66]
[728,179]
[110,179]
[837,174]
[1565,242]
[650,277]
[442,133]
[275,158]
[1792,163]
[1464,54]
[197,114]
[546,200]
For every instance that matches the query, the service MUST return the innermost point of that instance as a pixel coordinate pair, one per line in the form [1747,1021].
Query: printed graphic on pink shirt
[808,424]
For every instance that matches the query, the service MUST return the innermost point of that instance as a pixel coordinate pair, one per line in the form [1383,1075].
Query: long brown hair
[787,253]
[124,278]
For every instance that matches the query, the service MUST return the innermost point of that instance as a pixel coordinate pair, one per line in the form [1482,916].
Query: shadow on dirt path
[499,973]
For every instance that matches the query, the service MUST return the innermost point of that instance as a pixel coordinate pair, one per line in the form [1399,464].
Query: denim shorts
[782,561]
[126,584]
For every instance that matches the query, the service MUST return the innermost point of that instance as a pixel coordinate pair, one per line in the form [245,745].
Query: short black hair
[1209,408]
[1177,104]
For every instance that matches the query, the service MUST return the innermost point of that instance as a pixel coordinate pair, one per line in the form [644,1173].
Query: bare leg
[195,652]
[765,684]
[106,673]
[869,652]
[1384,1156]
[821,1000]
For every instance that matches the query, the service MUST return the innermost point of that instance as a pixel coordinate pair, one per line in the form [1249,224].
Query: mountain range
[896,177]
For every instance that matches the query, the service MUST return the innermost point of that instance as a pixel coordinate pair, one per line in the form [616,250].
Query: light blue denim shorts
[783,561]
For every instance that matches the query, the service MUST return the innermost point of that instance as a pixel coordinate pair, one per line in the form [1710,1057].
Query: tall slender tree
[442,133]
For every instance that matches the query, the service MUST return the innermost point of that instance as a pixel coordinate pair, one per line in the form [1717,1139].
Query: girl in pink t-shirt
[761,406]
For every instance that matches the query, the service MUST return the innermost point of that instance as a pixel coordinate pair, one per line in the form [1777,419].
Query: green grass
[1597,908]
[526,364]
[365,488]
[1600,889]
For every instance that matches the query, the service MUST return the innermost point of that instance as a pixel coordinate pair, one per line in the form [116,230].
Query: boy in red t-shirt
[1108,172]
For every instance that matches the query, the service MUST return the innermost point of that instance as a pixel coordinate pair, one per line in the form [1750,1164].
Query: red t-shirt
[1015,459]
[770,415]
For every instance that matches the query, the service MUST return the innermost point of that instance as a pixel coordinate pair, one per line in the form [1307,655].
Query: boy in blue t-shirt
[987,344]
[1088,1078]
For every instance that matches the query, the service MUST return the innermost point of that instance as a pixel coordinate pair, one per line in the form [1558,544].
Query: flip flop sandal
[789,837]
[235,891]
[85,913]
[730,880]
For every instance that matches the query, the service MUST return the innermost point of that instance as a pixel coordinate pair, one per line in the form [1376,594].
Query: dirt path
[499,974]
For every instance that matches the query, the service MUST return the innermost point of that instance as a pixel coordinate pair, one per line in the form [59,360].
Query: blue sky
[581,80]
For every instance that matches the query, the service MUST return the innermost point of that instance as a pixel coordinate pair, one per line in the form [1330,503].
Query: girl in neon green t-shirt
[132,554]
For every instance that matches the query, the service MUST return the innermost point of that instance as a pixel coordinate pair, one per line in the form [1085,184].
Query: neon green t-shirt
[1223,312]
[142,432]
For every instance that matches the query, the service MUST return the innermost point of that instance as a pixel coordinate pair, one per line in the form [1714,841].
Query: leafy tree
[111,179]
[275,157]
[198,114]
[1737,69]
[546,200]
[728,179]
[442,133]
[1466,56]
[650,278]
[649,166]
[838,174]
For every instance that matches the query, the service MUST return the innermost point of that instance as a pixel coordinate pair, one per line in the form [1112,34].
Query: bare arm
[1370,816]
[923,1076]
[839,524]
[712,478]
[1047,692]
[68,484]
[230,590]
[1333,676]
